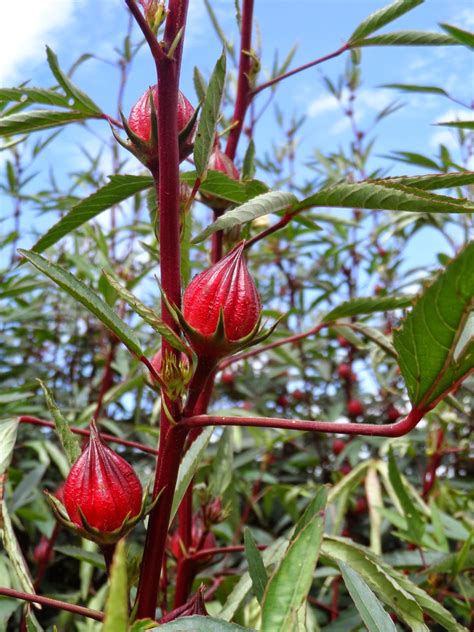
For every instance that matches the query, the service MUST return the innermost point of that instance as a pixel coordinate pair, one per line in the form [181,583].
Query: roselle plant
[274,435]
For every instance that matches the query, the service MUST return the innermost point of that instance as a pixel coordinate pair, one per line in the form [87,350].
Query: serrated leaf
[415,524]
[383,16]
[35,120]
[189,465]
[407,38]
[220,185]
[198,623]
[148,315]
[86,297]
[81,100]
[68,440]
[463,37]
[116,607]
[427,342]
[433,181]
[289,586]
[257,571]
[370,609]
[117,190]
[385,196]
[270,202]
[367,305]
[205,135]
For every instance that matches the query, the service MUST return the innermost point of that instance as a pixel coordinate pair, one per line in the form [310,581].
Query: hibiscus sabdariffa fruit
[103,497]
[222,308]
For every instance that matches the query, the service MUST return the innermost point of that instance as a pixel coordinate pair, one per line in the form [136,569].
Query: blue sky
[317,26]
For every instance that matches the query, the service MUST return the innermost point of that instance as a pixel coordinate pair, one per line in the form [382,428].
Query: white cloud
[321,105]
[26,25]
[455,115]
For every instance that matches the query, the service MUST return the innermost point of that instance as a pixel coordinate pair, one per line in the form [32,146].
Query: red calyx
[393,413]
[344,371]
[354,408]
[298,395]
[225,288]
[338,446]
[343,342]
[103,486]
[283,401]
[218,161]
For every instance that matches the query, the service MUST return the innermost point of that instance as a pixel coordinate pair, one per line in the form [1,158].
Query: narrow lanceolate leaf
[84,295]
[387,196]
[407,38]
[8,432]
[415,524]
[28,96]
[370,609]
[270,202]
[197,623]
[81,100]
[68,440]
[435,343]
[116,607]
[257,571]
[463,37]
[367,305]
[220,185]
[289,586]
[117,190]
[148,315]
[409,87]
[430,182]
[189,465]
[205,135]
[36,120]
[460,124]
[383,16]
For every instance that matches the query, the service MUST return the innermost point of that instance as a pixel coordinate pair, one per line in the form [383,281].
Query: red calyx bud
[102,486]
[218,161]
[214,512]
[283,401]
[346,469]
[344,371]
[361,506]
[343,342]
[43,551]
[393,413]
[354,408]
[221,306]
[141,127]
[338,446]
[194,606]
[227,378]
[298,395]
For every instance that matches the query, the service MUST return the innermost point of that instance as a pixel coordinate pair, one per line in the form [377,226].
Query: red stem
[27,419]
[223,550]
[435,460]
[53,603]
[397,429]
[290,73]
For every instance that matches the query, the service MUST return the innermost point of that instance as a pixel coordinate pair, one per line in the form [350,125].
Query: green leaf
[68,440]
[148,315]
[270,202]
[257,571]
[8,433]
[197,623]
[407,38]
[387,196]
[205,135]
[27,96]
[367,305]
[462,36]
[435,343]
[82,555]
[408,87]
[35,120]
[415,524]
[383,16]
[248,167]
[116,607]
[289,586]
[117,190]
[370,609]
[460,124]
[315,507]
[13,550]
[86,297]
[189,465]
[432,181]
[220,185]
[81,100]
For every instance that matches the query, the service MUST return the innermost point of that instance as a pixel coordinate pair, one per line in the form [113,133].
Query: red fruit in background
[103,485]
[344,371]
[227,378]
[298,395]
[218,161]
[338,446]
[200,539]
[43,551]
[361,506]
[393,413]
[345,469]
[354,408]
[283,401]
[227,288]
[343,342]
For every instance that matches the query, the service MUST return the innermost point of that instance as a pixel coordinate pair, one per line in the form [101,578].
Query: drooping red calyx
[141,121]
[225,288]
[218,161]
[103,486]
